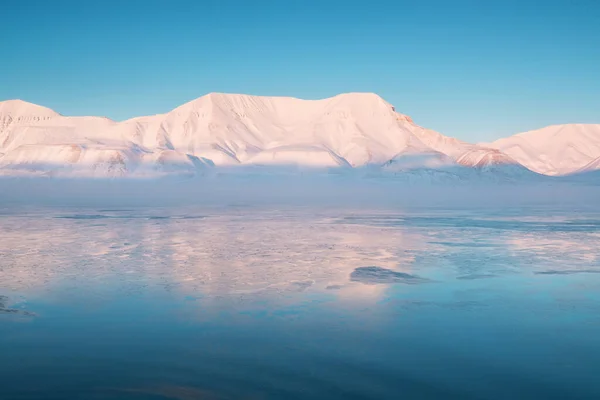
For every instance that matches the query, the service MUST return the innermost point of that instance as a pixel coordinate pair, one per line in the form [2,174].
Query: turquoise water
[242,303]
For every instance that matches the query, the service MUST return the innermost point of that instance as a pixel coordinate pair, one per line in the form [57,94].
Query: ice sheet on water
[126,216]
[569,272]
[375,275]
[587,225]
[234,252]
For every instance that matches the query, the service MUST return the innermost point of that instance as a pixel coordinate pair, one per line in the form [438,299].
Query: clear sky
[476,70]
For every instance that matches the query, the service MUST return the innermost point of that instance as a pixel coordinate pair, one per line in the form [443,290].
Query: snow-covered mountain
[555,150]
[348,130]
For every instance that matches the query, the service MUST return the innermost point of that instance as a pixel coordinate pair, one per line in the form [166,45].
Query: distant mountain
[346,131]
[555,150]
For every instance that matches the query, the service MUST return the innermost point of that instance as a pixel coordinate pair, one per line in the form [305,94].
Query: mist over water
[335,189]
[327,287]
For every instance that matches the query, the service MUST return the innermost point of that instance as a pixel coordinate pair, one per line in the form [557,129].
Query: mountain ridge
[222,129]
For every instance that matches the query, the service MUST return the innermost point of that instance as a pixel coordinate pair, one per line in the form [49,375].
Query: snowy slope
[15,113]
[593,165]
[348,130]
[36,140]
[18,111]
[555,150]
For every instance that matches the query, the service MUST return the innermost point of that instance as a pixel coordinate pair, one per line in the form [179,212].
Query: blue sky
[476,70]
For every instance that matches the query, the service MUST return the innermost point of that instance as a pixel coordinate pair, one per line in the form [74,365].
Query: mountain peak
[555,149]
[365,96]
[19,108]
[354,97]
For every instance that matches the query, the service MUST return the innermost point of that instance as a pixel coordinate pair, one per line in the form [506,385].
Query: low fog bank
[308,190]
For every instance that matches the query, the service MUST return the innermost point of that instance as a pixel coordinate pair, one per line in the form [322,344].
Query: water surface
[294,303]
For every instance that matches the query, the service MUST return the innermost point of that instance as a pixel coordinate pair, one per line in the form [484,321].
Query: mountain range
[354,130]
